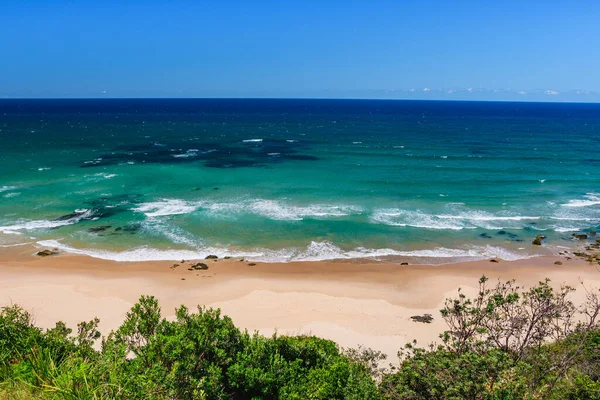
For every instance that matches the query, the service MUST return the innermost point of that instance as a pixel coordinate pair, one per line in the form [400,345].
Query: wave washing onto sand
[316,251]
[16,228]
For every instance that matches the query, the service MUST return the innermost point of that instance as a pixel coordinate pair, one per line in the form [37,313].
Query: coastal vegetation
[505,342]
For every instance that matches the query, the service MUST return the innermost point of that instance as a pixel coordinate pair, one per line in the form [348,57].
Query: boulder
[493,260]
[580,236]
[557,263]
[198,267]
[252,264]
[404,263]
[211,257]
[537,241]
[46,253]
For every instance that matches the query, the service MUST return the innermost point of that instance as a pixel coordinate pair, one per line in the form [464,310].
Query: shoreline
[353,303]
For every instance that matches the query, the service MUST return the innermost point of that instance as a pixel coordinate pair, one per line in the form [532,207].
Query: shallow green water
[297,179]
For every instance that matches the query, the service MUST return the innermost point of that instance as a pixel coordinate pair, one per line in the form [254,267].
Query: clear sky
[444,49]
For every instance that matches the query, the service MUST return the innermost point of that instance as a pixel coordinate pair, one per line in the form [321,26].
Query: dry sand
[354,303]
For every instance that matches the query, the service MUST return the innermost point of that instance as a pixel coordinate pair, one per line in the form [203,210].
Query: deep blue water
[298,179]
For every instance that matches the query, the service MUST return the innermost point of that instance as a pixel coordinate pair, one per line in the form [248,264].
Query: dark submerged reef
[214,155]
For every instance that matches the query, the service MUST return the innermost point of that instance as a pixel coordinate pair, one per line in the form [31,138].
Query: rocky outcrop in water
[538,240]
[99,228]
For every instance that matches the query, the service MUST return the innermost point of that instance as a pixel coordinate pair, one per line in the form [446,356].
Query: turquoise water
[285,180]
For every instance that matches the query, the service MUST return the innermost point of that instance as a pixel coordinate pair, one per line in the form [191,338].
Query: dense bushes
[199,355]
[506,343]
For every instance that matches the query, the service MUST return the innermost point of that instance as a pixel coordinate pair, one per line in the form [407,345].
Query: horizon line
[305,98]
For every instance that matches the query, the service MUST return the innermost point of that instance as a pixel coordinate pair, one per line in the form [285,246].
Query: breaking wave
[316,251]
[590,199]
[271,209]
[21,225]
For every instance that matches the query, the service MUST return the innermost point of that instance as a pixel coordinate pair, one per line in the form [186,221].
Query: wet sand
[354,303]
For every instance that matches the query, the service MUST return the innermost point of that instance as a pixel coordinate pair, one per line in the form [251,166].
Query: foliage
[198,355]
[505,343]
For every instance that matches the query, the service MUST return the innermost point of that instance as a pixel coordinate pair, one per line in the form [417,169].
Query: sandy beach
[354,303]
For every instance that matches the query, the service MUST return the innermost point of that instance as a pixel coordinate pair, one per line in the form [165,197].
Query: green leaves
[505,343]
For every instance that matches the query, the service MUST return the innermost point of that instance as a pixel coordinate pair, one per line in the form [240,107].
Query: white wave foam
[141,253]
[7,188]
[42,224]
[252,140]
[166,207]
[187,154]
[416,219]
[271,209]
[316,251]
[591,199]
[276,210]
[461,219]
[15,244]
[475,216]
[12,194]
[155,226]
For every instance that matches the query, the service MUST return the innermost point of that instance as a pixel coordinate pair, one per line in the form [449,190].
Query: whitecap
[187,154]
[271,209]
[252,140]
[166,207]
[463,219]
[23,225]
[7,188]
[591,199]
[416,219]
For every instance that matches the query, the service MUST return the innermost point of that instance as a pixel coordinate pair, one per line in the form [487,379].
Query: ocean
[292,180]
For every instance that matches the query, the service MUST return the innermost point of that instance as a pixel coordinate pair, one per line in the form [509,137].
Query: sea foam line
[316,251]
[7,188]
[271,209]
[591,199]
[43,224]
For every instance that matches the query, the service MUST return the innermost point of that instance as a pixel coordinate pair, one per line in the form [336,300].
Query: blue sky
[492,50]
